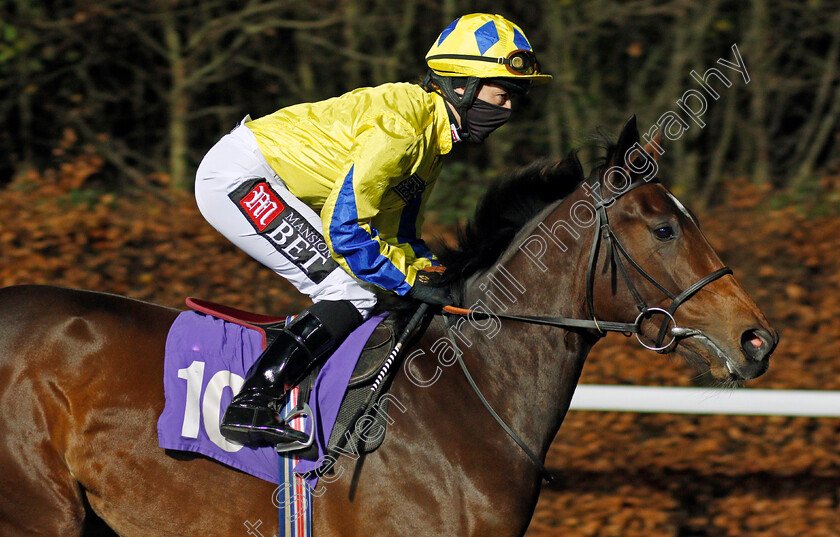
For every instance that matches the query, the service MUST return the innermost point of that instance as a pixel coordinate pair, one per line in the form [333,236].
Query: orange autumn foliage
[626,475]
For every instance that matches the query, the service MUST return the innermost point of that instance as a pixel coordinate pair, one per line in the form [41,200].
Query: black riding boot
[251,415]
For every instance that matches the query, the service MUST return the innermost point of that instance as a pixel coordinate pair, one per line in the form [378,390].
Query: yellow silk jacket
[366,161]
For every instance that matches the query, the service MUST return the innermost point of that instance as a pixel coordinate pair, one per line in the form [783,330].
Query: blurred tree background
[146,87]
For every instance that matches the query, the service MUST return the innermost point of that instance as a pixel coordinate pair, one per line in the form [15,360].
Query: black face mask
[483,118]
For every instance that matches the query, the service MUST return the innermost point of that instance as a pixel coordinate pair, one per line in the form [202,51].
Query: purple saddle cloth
[205,365]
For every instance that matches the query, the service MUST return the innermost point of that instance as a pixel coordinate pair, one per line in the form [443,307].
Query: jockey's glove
[429,287]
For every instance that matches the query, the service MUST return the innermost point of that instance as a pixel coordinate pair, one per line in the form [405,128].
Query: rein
[616,252]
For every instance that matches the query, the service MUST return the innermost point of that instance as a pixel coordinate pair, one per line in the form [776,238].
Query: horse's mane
[509,203]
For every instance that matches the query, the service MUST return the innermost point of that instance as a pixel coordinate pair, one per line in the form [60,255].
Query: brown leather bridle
[618,256]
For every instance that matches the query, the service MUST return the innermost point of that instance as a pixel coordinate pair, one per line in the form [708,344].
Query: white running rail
[809,403]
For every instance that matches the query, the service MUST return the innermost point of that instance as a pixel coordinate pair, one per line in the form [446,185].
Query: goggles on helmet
[518,62]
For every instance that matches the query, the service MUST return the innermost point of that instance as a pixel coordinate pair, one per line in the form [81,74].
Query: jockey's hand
[429,288]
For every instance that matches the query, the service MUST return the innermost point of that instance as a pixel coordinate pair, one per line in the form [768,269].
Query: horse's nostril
[757,343]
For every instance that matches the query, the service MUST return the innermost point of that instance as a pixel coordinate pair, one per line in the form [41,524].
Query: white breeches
[241,196]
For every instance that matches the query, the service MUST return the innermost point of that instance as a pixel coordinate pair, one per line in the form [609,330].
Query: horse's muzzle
[758,344]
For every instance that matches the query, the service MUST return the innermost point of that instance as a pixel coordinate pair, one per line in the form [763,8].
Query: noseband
[616,251]
[618,255]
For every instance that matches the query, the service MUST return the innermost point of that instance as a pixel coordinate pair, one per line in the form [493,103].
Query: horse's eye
[664,232]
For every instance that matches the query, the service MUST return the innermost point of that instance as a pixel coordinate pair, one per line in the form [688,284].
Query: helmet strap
[461,102]
[458,135]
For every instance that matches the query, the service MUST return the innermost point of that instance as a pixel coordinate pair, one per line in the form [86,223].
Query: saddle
[370,362]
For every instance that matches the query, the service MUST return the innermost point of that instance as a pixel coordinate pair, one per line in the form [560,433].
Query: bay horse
[81,373]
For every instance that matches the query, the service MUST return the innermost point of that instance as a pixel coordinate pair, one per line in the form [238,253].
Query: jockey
[330,195]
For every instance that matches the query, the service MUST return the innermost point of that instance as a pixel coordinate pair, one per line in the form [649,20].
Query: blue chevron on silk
[486,36]
[519,40]
[448,30]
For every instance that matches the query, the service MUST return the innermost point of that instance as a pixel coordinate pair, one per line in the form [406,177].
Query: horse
[81,372]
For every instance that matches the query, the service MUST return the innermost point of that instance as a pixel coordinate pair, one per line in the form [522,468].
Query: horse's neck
[528,372]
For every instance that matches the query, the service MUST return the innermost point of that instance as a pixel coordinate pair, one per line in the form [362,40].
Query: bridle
[616,252]
[617,256]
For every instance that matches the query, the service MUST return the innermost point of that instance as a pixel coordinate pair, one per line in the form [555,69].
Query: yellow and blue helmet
[484,46]
[480,48]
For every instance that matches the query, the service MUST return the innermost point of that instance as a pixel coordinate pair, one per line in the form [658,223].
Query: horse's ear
[626,140]
[651,151]
[638,161]
[654,147]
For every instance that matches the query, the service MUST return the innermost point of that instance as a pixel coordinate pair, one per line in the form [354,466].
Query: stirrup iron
[295,445]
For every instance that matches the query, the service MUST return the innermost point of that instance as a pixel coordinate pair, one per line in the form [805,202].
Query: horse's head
[639,263]
[651,253]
